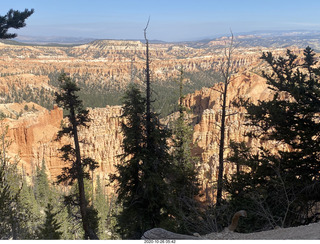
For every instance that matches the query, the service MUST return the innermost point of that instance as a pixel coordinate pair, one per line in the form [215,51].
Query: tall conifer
[50,229]
[284,185]
[77,117]
[143,190]
[184,182]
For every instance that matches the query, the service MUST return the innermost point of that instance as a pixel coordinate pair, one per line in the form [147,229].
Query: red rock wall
[33,134]
[206,106]
[33,140]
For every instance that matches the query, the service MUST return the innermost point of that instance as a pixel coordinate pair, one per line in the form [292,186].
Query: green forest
[157,180]
[99,95]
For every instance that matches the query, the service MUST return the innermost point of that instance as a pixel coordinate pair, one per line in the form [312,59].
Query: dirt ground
[307,232]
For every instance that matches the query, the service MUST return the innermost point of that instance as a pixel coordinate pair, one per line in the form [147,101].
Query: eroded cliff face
[206,107]
[112,63]
[33,138]
[102,142]
[33,133]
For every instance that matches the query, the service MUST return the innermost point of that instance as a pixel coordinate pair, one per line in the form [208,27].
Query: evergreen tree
[42,189]
[77,116]
[6,200]
[283,187]
[50,228]
[29,211]
[11,219]
[13,19]
[184,182]
[71,207]
[65,219]
[143,190]
[103,208]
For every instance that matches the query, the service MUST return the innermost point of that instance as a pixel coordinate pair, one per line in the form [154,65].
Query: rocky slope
[306,232]
[110,64]
[114,64]
[33,131]
[206,109]
[32,134]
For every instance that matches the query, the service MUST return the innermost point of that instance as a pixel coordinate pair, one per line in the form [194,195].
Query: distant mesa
[53,39]
[115,44]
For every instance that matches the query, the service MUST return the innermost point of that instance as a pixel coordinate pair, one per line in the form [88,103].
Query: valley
[103,69]
[200,121]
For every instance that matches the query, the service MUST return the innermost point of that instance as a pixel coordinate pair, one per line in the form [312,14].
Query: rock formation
[305,232]
[33,135]
[162,234]
[102,141]
[206,106]
[111,63]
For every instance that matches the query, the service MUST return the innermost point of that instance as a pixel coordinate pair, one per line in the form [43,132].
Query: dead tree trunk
[148,91]
[226,70]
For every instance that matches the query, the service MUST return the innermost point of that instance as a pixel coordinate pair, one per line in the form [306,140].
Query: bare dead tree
[226,70]
[148,89]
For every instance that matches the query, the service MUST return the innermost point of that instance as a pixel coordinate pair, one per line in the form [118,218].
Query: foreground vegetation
[38,209]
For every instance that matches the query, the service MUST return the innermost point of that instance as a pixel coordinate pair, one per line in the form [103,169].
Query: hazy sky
[171,20]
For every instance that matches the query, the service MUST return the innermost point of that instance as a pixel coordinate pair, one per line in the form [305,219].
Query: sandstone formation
[113,64]
[33,135]
[206,108]
[102,141]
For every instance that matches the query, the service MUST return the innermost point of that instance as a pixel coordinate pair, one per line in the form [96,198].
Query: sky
[170,20]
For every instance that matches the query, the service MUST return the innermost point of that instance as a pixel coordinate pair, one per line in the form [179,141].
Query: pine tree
[77,116]
[13,19]
[102,207]
[285,183]
[141,176]
[6,201]
[50,228]
[56,200]
[10,190]
[185,182]
[28,215]
[6,198]
[42,189]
